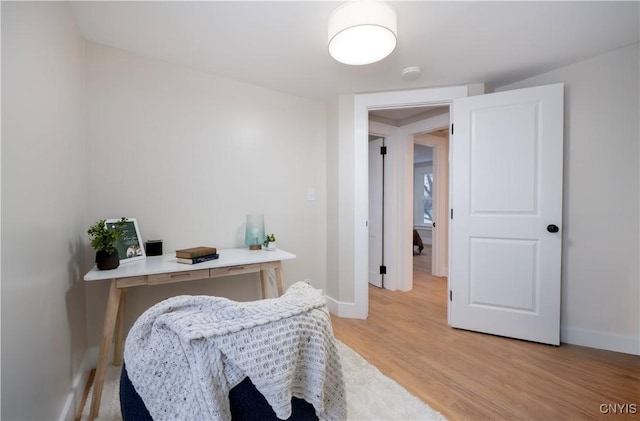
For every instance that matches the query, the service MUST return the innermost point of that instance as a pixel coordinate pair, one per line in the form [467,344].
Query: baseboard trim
[74,399]
[344,309]
[600,340]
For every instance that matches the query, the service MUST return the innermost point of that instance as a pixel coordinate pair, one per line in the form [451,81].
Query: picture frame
[130,246]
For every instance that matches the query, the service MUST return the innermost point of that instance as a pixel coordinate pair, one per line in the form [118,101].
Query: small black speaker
[154,247]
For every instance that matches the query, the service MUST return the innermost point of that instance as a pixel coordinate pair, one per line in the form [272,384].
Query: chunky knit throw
[184,354]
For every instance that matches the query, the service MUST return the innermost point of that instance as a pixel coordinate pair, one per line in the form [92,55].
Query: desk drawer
[165,278]
[234,270]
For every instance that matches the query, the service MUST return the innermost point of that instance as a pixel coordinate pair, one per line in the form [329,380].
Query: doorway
[353,140]
[427,126]
[438,141]
[522,122]
[423,204]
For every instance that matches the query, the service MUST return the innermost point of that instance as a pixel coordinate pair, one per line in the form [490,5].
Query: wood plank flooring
[422,261]
[472,376]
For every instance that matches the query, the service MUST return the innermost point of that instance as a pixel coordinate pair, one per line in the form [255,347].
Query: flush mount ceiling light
[362,32]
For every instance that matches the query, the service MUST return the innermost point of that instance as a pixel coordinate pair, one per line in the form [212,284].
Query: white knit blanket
[184,354]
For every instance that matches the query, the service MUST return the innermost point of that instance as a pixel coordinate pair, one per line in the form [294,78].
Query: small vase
[270,247]
[107,261]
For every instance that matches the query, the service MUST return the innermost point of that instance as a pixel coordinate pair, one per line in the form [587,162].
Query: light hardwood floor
[472,376]
[422,261]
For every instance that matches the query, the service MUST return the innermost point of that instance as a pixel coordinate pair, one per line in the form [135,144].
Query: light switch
[311,194]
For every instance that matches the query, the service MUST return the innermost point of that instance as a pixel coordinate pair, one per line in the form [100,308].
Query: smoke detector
[411,73]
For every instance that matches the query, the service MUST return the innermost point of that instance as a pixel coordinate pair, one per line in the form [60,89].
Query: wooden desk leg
[279,279]
[119,334]
[263,283]
[110,316]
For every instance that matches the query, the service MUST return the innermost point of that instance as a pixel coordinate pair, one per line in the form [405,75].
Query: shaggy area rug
[370,394]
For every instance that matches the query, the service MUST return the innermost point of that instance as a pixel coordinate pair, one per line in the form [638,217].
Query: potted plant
[269,242]
[104,241]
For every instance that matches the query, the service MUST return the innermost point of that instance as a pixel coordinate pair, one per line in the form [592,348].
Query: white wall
[189,155]
[43,206]
[333,185]
[340,227]
[601,218]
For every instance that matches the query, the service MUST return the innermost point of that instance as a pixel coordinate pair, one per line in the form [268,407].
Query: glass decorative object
[254,231]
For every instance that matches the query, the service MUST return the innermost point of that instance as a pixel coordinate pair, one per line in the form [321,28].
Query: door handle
[553,228]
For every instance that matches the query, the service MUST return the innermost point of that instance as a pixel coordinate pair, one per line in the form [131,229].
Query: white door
[506,199]
[375,212]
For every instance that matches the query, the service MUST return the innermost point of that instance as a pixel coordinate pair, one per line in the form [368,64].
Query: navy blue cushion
[247,404]
[131,405]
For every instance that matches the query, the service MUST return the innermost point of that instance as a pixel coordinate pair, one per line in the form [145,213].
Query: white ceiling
[283,45]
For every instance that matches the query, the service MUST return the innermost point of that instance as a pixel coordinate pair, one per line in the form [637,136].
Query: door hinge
[451,213]
[383,150]
[383,270]
[451,128]
[450,295]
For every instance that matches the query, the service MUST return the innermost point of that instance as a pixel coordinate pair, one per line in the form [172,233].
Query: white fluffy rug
[373,396]
[370,394]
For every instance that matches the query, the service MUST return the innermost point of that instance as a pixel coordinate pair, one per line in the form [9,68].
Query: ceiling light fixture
[362,32]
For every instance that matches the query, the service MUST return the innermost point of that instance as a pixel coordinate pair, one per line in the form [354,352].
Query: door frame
[361,106]
[379,261]
[399,166]
[441,172]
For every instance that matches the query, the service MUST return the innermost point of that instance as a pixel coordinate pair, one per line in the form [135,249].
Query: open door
[376,199]
[506,213]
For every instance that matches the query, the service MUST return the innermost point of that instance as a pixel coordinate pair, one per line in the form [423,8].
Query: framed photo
[129,245]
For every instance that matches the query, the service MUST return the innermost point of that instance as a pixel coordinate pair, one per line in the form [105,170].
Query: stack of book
[195,255]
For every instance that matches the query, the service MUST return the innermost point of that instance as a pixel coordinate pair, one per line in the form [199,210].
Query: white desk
[165,270]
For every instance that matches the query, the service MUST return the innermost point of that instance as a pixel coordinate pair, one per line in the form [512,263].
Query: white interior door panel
[506,155]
